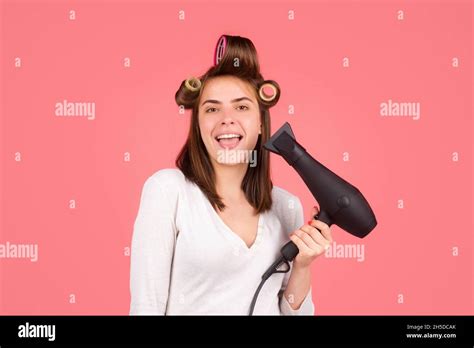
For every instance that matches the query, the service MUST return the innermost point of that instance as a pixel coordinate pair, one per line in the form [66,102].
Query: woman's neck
[229,181]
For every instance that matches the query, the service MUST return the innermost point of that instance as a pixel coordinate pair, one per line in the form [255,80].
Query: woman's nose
[227,121]
[227,117]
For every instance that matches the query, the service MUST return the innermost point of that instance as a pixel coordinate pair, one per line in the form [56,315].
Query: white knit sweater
[186,261]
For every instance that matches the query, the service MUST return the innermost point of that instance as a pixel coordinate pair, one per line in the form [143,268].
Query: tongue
[230,142]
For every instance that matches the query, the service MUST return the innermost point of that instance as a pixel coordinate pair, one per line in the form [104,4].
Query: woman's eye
[240,106]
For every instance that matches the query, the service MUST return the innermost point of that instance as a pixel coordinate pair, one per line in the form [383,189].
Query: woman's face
[229,119]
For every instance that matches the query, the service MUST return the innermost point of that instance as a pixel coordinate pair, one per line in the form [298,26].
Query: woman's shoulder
[288,208]
[282,197]
[168,176]
[166,179]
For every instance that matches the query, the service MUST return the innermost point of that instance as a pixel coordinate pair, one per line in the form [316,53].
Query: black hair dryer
[340,203]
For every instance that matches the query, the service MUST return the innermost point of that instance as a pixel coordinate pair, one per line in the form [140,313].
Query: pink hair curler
[220,49]
[264,96]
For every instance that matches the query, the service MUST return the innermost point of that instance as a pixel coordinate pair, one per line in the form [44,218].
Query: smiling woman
[207,231]
[229,88]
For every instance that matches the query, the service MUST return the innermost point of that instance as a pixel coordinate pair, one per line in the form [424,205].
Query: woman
[207,231]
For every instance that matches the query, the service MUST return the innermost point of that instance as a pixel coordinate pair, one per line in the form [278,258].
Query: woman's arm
[311,243]
[153,242]
[298,286]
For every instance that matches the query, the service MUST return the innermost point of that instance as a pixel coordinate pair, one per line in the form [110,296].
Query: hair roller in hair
[220,49]
[267,97]
[193,84]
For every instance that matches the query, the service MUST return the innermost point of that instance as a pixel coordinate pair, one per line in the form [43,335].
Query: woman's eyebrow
[232,101]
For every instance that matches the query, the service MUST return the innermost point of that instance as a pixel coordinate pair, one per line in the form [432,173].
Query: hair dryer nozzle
[283,129]
[283,143]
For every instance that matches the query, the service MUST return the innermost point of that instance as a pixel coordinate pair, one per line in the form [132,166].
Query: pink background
[81,250]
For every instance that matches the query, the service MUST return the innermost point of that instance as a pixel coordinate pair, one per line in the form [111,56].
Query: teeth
[228,136]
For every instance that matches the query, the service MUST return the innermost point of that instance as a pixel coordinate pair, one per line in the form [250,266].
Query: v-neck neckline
[234,237]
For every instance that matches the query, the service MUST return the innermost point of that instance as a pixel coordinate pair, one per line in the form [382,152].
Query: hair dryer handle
[324,217]
[290,250]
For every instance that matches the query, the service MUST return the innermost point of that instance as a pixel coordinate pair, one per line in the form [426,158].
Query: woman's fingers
[314,211]
[316,236]
[312,239]
[323,228]
[307,238]
[302,247]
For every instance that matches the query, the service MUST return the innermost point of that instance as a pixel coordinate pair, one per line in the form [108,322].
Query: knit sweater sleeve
[152,248]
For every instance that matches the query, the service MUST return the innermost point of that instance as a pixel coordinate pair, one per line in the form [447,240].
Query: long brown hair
[240,60]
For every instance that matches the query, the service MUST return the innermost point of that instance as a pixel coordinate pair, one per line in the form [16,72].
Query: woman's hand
[311,242]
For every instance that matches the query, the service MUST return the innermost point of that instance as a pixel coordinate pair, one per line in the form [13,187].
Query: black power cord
[288,252]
